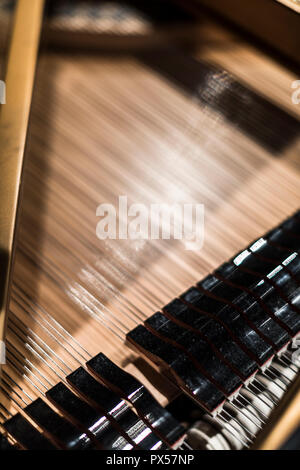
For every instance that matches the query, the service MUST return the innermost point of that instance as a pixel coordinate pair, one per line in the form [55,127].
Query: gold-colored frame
[19,78]
[283,421]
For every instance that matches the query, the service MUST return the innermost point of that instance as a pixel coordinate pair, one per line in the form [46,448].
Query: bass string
[274,376]
[49,324]
[46,386]
[226,418]
[29,335]
[269,372]
[34,375]
[19,362]
[106,281]
[125,274]
[17,396]
[96,315]
[102,311]
[187,176]
[153,307]
[36,379]
[278,377]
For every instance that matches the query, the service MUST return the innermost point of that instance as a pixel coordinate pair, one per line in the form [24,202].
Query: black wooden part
[198,350]
[161,421]
[293,264]
[257,317]
[59,428]
[179,310]
[26,434]
[284,308]
[114,407]
[188,378]
[86,416]
[293,442]
[292,225]
[243,365]
[275,276]
[283,239]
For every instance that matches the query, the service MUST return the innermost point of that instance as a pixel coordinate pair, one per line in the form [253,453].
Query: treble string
[39,314]
[188,268]
[139,313]
[27,331]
